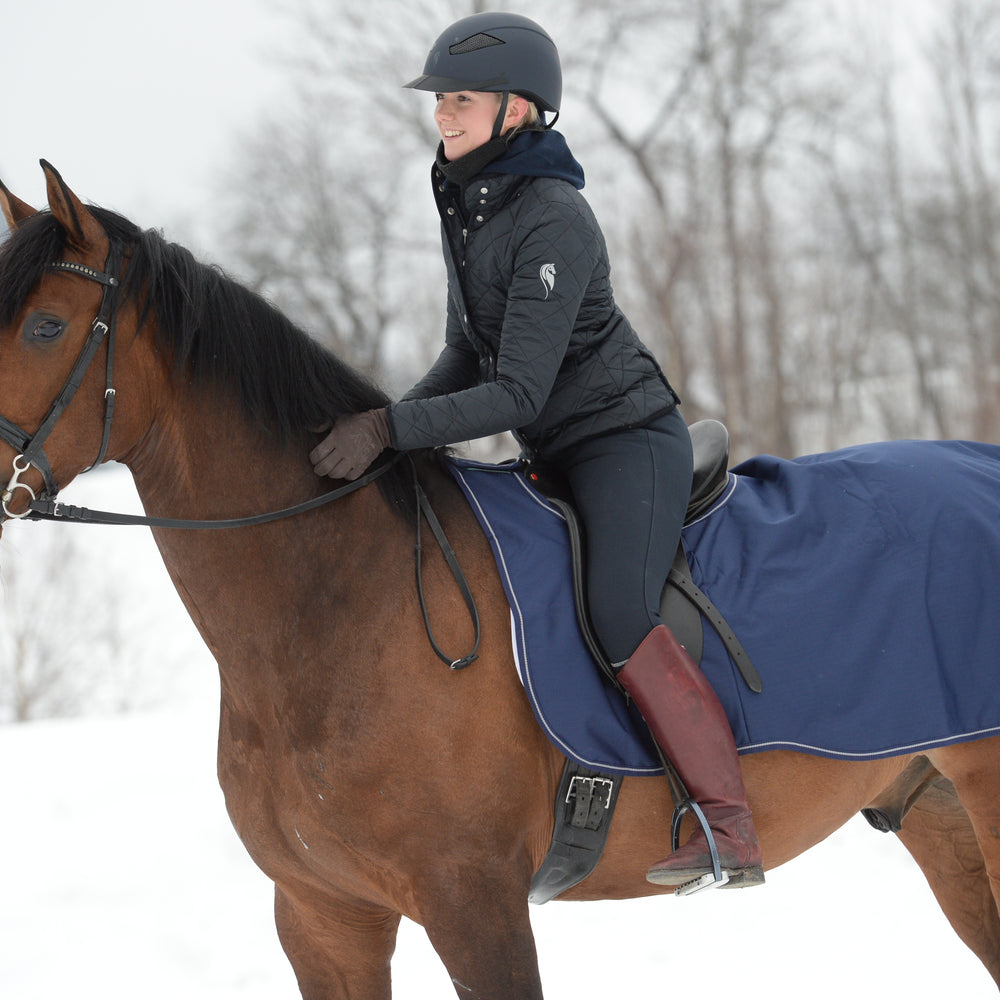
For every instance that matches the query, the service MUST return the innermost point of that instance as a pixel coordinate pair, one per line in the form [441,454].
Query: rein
[47,508]
[53,510]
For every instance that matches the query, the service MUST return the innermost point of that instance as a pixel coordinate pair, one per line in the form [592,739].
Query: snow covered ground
[122,878]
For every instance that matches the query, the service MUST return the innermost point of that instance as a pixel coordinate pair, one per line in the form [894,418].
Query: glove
[353,444]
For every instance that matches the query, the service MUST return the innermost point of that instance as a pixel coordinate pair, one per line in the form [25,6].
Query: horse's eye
[48,329]
[43,328]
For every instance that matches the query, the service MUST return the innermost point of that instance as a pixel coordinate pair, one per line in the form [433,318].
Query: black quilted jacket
[534,342]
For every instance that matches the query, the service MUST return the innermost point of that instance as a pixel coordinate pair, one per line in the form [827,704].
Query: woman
[535,344]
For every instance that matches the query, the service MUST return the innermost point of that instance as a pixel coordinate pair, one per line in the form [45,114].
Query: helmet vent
[474,43]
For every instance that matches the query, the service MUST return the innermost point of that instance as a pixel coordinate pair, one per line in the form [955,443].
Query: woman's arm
[552,268]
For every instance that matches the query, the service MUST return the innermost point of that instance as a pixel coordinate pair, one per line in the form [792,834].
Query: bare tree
[917,211]
[332,215]
[63,648]
[710,152]
[805,267]
[960,222]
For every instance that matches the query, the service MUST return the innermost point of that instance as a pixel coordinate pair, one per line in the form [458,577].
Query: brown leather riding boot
[686,719]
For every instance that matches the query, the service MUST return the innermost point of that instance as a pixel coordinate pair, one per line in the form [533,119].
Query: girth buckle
[590,798]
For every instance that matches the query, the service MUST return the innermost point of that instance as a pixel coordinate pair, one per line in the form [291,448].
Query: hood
[538,154]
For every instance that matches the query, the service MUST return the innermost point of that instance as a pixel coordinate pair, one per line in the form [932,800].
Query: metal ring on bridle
[102,331]
[8,493]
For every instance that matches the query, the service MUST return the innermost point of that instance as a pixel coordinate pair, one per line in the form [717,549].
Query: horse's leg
[339,949]
[482,934]
[963,811]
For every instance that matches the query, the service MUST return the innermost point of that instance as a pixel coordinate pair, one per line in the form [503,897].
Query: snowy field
[122,877]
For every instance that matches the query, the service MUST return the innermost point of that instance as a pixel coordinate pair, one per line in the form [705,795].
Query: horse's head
[59,279]
[195,352]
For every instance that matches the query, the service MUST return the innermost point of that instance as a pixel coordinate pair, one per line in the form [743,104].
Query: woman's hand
[353,444]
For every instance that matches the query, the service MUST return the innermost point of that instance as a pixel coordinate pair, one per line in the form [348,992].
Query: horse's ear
[83,232]
[14,210]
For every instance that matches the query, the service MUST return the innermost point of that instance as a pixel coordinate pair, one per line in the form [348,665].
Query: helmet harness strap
[501,115]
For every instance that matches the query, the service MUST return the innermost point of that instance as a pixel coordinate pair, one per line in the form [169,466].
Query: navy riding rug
[864,584]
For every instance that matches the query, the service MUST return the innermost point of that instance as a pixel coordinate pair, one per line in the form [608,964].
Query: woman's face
[465,119]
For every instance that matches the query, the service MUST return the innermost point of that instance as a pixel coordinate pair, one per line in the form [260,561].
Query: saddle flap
[677,611]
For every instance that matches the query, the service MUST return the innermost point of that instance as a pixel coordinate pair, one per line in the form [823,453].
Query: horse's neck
[201,458]
[247,589]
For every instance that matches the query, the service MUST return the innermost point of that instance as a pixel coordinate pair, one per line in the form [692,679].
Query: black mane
[221,334]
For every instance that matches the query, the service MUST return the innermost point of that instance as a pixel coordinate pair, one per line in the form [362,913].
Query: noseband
[29,446]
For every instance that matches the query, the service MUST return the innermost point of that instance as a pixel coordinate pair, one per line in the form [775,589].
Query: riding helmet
[495,53]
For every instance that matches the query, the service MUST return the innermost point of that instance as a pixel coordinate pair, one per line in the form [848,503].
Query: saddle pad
[863,583]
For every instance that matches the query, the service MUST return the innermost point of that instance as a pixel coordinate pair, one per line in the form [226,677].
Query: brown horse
[367,780]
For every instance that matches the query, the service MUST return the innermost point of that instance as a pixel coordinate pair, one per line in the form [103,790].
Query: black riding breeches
[631,489]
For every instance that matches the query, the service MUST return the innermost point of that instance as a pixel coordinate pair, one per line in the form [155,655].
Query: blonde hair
[532,117]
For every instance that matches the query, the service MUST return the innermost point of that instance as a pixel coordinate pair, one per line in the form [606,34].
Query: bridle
[47,508]
[30,446]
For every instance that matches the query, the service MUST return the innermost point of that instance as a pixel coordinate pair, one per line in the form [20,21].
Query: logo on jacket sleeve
[547,272]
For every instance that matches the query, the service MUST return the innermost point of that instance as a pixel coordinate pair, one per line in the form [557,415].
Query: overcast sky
[134,103]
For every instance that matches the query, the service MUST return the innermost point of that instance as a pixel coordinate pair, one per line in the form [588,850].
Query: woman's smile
[465,120]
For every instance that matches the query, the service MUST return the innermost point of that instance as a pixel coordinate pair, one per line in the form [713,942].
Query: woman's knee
[620,626]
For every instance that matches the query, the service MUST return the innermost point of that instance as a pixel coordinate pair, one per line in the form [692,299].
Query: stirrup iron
[714,879]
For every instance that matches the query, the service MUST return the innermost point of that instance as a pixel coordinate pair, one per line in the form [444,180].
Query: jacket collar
[461,171]
[535,153]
